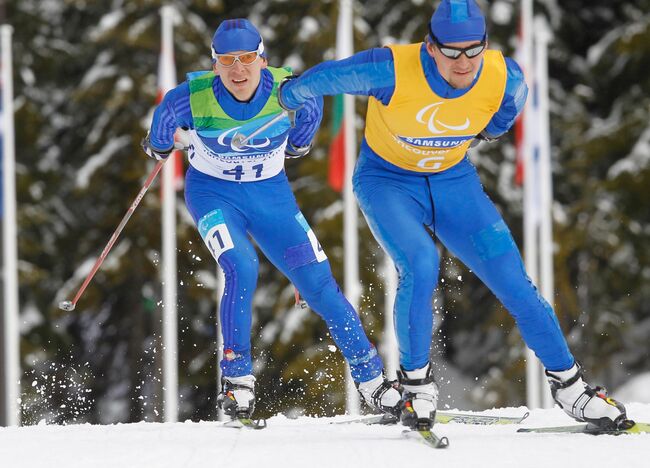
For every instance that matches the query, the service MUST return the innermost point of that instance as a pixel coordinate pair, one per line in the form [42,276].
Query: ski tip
[427,437]
[254,423]
[240,423]
[443,443]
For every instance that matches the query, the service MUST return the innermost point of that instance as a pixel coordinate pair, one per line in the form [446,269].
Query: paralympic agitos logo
[225,139]
[433,124]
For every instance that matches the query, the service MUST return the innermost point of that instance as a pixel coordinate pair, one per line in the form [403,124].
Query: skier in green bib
[237,191]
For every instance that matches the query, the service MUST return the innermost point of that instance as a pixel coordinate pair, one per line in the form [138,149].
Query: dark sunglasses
[454,53]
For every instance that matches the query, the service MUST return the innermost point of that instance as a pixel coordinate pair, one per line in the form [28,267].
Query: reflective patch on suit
[493,241]
[363,359]
[316,248]
[299,255]
[215,234]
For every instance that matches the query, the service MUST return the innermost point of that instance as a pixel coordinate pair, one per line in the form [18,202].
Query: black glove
[483,136]
[295,152]
[158,155]
[291,113]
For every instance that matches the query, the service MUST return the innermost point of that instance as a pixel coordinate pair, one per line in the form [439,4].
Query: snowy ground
[315,443]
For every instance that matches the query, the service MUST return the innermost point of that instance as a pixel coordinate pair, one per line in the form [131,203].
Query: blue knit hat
[237,34]
[458,21]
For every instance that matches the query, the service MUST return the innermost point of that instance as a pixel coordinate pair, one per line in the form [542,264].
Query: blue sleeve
[512,103]
[367,73]
[308,120]
[173,112]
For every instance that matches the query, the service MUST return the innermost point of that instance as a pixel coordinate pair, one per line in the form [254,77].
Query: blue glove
[295,152]
[308,119]
[158,155]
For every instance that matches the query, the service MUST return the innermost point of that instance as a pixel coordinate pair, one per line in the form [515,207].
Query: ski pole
[240,139]
[70,305]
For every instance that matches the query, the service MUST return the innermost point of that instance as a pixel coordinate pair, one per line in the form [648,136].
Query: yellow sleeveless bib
[423,132]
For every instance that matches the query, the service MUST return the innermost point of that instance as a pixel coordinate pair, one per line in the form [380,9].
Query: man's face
[239,79]
[459,72]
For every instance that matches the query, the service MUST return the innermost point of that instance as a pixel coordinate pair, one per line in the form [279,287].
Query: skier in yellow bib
[428,102]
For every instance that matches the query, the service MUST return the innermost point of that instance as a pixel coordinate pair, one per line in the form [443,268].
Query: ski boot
[237,397]
[585,403]
[381,395]
[420,398]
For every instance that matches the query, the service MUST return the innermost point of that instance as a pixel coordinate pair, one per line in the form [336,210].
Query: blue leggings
[399,206]
[226,213]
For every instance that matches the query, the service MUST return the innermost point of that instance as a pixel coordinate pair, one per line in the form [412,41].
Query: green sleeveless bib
[208,113]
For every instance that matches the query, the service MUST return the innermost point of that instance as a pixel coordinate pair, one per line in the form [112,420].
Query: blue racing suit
[400,207]
[236,192]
